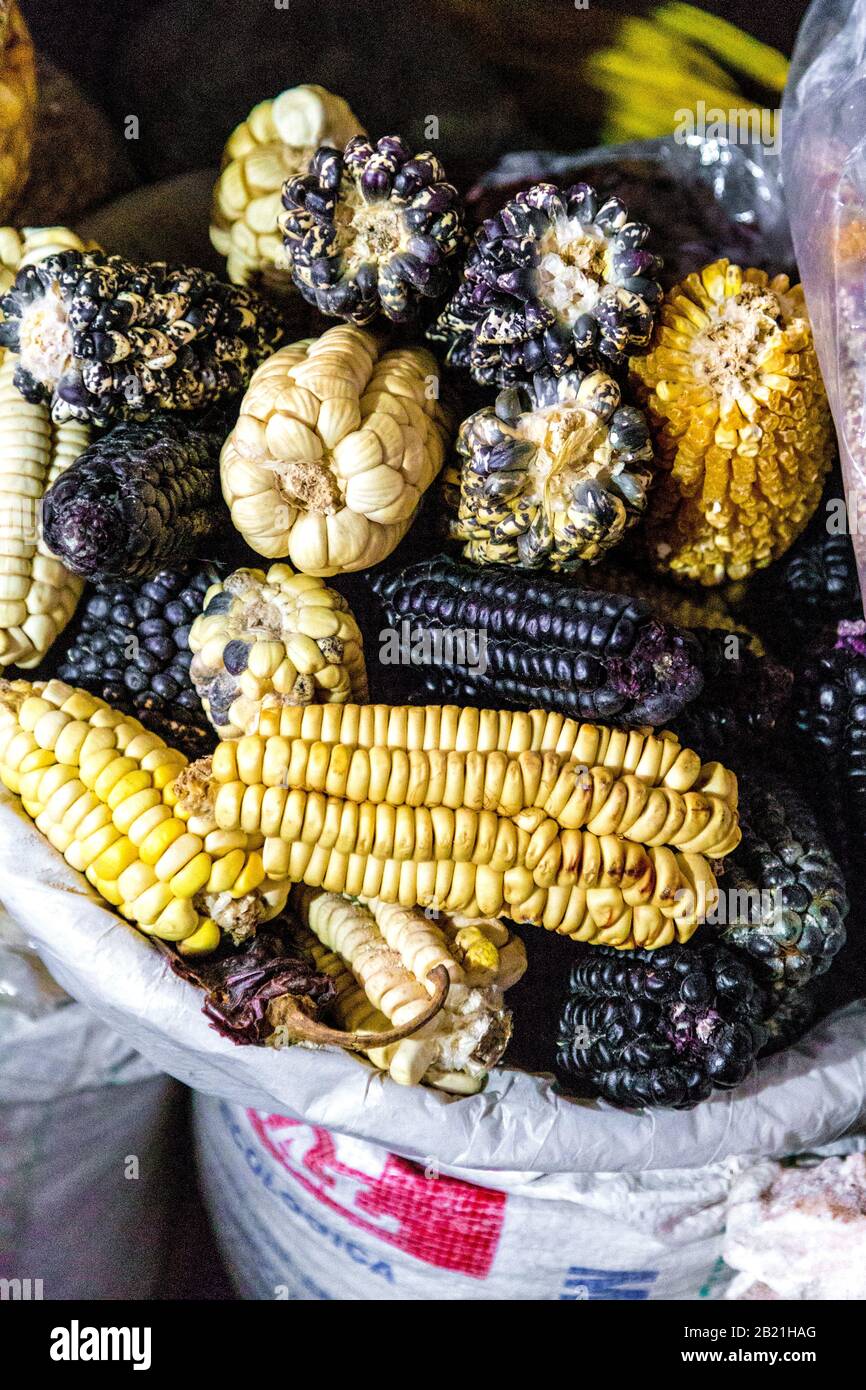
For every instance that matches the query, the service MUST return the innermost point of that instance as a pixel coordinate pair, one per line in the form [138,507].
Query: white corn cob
[334,446]
[276,141]
[38,595]
[379,956]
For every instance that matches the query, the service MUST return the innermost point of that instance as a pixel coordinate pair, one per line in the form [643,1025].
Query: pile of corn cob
[171,428]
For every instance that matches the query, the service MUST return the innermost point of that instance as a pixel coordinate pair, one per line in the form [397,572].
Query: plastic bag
[26,988]
[806,1096]
[87,1186]
[302,1212]
[703,198]
[824,171]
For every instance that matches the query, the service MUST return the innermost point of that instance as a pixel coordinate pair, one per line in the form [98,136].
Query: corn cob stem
[288,1018]
[378,955]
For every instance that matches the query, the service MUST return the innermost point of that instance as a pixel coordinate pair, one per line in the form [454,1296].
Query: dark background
[497,73]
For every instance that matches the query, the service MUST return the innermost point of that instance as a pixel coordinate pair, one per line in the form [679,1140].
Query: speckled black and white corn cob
[553,475]
[553,278]
[103,339]
[372,228]
[783,891]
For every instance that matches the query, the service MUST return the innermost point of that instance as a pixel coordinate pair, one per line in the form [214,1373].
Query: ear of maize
[273,639]
[583,651]
[335,444]
[276,141]
[97,785]
[601,834]
[612,848]
[38,594]
[741,422]
[379,955]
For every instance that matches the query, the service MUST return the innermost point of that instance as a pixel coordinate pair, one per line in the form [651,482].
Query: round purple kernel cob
[130,646]
[103,339]
[659,1028]
[372,229]
[554,278]
[745,701]
[143,495]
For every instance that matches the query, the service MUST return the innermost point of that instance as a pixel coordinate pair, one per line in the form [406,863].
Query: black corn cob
[660,1028]
[130,646]
[810,589]
[143,496]
[745,700]
[793,1016]
[582,652]
[103,339]
[784,900]
[829,712]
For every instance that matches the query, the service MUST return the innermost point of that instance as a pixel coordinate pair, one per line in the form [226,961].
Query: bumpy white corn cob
[334,446]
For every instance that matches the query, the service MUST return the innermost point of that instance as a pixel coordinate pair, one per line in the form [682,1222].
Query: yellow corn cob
[18,97]
[97,785]
[38,595]
[614,851]
[379,955]
[607,839]
[656,758]
[276,141]
[741,421]
[666,63]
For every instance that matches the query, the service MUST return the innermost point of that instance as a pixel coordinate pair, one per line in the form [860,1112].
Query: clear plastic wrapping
[26,988]
[824,171]
[703,198]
